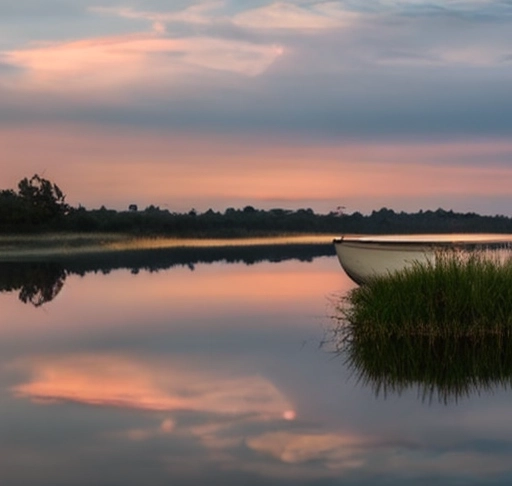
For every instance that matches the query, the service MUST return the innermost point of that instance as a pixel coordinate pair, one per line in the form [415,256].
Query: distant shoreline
[48,245]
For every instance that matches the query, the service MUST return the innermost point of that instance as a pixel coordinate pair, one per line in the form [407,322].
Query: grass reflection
[443,327]
[440,368]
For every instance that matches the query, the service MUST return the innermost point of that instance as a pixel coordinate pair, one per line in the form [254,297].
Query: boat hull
[365,257]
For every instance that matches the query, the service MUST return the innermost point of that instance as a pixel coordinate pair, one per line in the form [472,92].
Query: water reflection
[113,380]
[439,369]
[39,282]
[215,376]
[238,420]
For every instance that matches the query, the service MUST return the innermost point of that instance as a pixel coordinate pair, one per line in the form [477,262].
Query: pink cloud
[284,15]
[138,58]
[201,14]
[277,15]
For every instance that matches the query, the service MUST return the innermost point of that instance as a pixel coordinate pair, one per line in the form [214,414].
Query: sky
[293,104]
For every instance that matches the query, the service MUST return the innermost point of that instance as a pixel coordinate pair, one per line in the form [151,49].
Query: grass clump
[442,327]
[456,294]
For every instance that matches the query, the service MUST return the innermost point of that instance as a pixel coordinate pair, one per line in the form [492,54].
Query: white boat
[363,257]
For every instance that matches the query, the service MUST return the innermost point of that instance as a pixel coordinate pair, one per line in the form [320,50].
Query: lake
[223,366]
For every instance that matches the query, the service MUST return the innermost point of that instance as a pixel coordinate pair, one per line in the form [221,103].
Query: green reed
[456,294]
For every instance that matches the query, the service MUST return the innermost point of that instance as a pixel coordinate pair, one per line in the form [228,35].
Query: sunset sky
[299,103]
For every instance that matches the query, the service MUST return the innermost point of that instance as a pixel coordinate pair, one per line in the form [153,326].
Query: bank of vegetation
[460,294]
[39,205]
[442,328]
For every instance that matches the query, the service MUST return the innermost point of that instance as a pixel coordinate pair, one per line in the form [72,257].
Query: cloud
[277,15]
[133,58]
[319,69]
[470,9]
[283,15]
[7,68]
[198,14]
[27,8]
[464,56]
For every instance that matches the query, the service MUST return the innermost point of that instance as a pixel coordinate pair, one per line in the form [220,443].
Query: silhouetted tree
[43,199]
[12,210]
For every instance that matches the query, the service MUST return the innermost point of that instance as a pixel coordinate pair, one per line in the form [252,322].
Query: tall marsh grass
[456,294]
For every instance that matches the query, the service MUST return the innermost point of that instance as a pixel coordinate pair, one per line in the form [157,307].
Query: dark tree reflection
[40,282]
[37,283]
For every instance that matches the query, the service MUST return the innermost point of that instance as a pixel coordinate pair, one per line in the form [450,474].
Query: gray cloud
[372,103]
[424,69]
[6,68]
[467,9]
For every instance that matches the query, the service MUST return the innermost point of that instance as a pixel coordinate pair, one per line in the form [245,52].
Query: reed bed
[456,294]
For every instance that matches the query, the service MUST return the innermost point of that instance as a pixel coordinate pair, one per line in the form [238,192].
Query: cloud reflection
[335,450]
[230,422]
[117,381]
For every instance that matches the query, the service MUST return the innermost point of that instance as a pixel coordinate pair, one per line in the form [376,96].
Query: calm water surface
[219,373]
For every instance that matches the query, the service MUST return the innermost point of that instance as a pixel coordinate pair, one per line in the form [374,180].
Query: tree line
[39,205]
